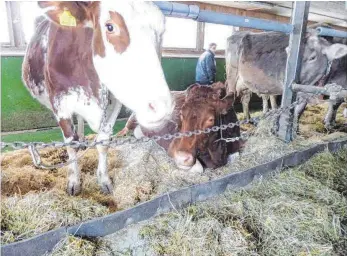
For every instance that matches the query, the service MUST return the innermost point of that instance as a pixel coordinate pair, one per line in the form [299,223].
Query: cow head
[126,38]
[202,106]
[318,52]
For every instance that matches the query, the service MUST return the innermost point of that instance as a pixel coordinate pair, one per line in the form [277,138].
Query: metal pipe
[293,68]
[194,12]
[321,31]
[319,90]
[178,10]
[242,21]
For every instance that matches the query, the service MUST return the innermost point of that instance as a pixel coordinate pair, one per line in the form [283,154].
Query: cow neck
[70,55]
[325,77]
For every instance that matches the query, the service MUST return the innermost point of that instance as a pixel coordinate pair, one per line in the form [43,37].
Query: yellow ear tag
[66,19]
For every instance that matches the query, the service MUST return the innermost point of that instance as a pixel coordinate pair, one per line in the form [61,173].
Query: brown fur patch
[119,37]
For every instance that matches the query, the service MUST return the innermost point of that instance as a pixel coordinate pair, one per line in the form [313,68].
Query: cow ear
[219,89]
[225,104]
[70,14]
[191,89]
[335,51]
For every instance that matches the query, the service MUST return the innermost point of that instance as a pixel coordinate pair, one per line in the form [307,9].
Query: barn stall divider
[106,225]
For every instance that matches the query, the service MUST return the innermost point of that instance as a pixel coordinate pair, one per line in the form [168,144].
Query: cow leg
[74,177]
[330,118]
[265,103]
[273,101]
[105,134]
[299,109]
[245,99]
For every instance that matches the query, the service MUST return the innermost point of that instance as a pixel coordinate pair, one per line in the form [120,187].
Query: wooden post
[299,23]
[80,127]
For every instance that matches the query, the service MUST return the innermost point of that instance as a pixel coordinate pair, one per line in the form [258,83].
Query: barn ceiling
[333,12]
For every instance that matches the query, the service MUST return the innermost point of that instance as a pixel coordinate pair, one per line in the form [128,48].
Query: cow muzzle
[184,160]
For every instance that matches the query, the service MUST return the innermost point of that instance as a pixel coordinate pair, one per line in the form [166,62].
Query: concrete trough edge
[178,199]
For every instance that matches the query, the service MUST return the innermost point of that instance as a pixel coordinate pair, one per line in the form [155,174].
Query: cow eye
[312,57]
[109,27]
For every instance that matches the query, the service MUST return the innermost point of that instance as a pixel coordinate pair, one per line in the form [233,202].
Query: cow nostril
[184,158]
[152,107]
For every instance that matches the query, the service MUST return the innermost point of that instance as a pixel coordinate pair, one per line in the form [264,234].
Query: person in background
[205,72]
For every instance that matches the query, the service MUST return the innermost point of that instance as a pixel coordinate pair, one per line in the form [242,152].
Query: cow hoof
[73,188]
[106,187]
[329,126]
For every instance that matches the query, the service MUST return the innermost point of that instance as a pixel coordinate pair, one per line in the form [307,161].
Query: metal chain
[75,144]
[34,146]
[117,142]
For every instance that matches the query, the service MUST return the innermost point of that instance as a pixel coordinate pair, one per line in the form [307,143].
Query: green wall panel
[19,111]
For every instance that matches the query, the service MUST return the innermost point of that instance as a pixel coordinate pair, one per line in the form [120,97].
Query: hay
[139,172]
[297,212]
[289,214]
[32,214]
[74,246]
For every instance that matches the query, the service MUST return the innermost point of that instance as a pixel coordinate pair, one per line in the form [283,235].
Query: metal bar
[321,31]
[194,12]
[242,21]
[299,23]
[9,22]
[318,90]
[200,36]
[18,34]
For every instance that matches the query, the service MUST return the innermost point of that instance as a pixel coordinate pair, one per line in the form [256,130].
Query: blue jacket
[205,72]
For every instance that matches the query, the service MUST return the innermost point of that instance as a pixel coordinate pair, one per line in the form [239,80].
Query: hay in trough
[139,172]
[291,213]
[297,212]
[32,214]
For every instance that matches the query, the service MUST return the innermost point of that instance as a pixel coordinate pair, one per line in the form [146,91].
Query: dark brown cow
[86,49]
[197,108]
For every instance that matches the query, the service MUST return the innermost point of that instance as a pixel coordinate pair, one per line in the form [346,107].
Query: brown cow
[85,49]
[197,108]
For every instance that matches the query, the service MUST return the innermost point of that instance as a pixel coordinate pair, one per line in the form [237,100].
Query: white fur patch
[345,112]
[77,102]
[138,132]
[233,157]
[140,62]
[197,168]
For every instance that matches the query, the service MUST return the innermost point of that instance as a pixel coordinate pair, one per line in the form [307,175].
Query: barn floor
[34,201]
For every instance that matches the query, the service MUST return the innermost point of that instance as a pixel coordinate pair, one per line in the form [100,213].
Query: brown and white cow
[197,108]
[83,49]
[256,63]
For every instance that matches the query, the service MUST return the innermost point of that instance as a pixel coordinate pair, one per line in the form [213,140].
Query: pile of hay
[33,214]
